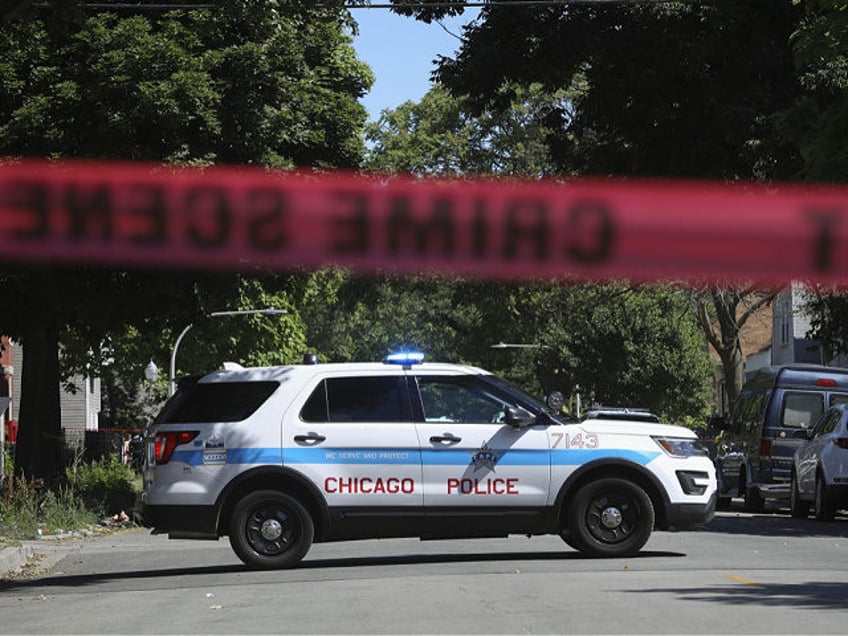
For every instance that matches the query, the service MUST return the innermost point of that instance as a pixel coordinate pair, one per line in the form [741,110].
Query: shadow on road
[82,580]
[774,523]
[812,595]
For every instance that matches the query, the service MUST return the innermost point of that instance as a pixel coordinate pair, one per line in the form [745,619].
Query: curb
[12,559]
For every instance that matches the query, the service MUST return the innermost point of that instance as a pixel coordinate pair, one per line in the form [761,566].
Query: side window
[749,411]
[358,400]
[838,398]
[801,410]
[459,399]
[830,423]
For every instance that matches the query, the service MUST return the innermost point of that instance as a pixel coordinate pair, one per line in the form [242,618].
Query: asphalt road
[742,573]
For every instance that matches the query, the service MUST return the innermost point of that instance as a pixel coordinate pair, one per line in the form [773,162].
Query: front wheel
[798,508]
[609,518]
[823,508]
[270,530]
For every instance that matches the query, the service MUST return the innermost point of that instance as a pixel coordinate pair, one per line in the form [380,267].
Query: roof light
[826,382]
[406,358]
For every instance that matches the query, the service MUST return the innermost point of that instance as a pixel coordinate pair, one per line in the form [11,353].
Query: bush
[105,486]
[27,508]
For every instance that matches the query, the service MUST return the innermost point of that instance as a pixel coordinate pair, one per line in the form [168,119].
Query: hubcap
[271,530]
[611,517]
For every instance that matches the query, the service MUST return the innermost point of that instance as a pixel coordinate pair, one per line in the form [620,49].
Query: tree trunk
[733,364]
[40,447]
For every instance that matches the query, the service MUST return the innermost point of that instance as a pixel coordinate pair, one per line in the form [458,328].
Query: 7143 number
[575,440]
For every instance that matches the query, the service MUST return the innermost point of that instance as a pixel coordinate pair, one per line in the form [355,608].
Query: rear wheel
[754,501]
[270,530]
[799,509]
[823,509]
[609,518]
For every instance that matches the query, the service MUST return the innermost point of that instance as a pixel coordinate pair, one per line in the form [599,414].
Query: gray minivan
[768,422]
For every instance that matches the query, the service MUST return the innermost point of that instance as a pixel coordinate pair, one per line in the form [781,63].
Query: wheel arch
[622,469]
[273,478]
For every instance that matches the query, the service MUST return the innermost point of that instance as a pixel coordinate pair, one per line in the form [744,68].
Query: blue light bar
[405,358]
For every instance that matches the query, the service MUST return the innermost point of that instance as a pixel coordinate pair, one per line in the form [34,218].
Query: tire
[723,503]
[610,518]
[754,501]
[798,508]
[823,509]
[270,530]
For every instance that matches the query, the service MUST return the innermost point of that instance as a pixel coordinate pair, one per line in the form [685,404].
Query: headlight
[680,446]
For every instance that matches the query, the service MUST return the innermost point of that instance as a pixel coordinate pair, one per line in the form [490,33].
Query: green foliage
[105,486]
[659,89]
[627,347]
[440,135]
[252,82]
[828,311]
[28,509]
[818,122]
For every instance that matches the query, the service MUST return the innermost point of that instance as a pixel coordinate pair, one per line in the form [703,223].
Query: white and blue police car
[277,458]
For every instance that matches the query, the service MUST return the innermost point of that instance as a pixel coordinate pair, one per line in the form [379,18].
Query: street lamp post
[215,314]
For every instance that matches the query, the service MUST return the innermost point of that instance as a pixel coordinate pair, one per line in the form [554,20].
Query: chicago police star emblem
[484,457]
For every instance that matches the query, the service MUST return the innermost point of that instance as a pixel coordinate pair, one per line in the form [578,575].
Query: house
[791,324]
[80,410]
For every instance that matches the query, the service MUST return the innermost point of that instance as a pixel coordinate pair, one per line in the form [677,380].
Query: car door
[354,438]
[810,452]
[470,455]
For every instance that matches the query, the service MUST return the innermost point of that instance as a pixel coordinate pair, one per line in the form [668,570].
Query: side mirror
[518,417]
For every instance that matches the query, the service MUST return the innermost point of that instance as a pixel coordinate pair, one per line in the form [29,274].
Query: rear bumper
[178,522]
[773,491]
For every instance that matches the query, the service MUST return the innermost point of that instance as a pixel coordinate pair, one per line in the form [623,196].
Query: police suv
[277,458]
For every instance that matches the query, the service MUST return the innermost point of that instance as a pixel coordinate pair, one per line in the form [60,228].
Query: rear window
[802,410]
[216,402]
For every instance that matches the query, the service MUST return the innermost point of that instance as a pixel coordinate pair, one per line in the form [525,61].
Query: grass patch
[92,491]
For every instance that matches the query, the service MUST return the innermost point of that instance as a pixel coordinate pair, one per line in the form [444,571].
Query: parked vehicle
[820,467]
[632,414]
[771,418]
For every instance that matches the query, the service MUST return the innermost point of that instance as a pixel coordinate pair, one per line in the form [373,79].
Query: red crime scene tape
[142,215]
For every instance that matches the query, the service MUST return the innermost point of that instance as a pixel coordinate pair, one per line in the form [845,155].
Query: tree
[818,122]
[662,89]
[440,135]
[270,83]
[636,347]
[722,314]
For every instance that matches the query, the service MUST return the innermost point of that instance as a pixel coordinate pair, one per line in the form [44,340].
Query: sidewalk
[13,559]
[49,549]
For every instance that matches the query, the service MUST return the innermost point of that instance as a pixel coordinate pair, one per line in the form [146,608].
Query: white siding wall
[79,411]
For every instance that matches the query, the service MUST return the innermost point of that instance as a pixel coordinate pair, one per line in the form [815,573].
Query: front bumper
[681,516]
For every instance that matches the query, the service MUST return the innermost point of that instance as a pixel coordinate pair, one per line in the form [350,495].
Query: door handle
[446,438]
[311,438]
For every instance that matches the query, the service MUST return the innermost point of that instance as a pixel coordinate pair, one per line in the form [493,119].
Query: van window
[750,410]
[801,410]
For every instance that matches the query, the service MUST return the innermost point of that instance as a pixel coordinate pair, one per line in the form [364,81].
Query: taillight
[842,442]
[765,448]
[167,441]
[828,382]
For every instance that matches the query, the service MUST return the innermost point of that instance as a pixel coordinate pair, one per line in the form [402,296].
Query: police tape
[142,215]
